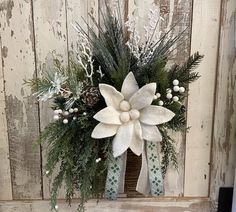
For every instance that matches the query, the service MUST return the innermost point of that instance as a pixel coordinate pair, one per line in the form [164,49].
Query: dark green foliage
[71,148]
[169,157]
[185,73]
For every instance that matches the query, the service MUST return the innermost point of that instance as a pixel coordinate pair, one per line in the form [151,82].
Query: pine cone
[91,95]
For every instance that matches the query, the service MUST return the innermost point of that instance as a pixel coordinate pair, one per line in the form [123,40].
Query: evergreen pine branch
[169,157]
[185,73]
[178,122]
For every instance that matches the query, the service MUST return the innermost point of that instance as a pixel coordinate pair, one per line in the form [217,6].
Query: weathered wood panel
[51,43]
[224,139]
[77,12]
[21,110]
[205,30]
[177,12]
[121,205]
[5,174]
[172,11]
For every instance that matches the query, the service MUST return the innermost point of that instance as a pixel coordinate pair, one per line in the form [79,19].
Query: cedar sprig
[169,154]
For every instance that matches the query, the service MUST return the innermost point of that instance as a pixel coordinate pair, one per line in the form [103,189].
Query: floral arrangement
[117,93]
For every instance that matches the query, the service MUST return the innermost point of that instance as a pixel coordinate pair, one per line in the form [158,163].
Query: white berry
[66,113]
[169,96]
[56,207]
[158,95]
[71,110]
[56,117]
[175,98]
[181,89]
[84,113]
[56,112]
[176,88]
[175,82]
[59,111]
[74,118]
[155,97]
[160,103]
[98,160]
[65,121]
[76,109]
[47,172]
[168,90]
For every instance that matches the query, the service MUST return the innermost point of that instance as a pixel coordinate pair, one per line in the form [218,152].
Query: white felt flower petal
[143,97]
[151,133]
[130,86]
[137,142]
[123,138]
[104,130]
[154,115]
[108,115]
[111,95]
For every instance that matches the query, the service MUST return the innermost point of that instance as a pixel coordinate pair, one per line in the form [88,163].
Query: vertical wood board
[223,161]
[77,12]
[5,174]
[51,43]
[21,109]
[205,30]
[179,13]
[172,11]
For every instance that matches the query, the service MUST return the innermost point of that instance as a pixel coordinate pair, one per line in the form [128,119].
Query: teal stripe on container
[114,178]
[154,169]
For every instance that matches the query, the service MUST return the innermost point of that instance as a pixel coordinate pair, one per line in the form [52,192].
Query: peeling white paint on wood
[21,110]
[51,43]
[172,11]
[224,137]
[205,30]
[120,205]
[5,174]
[76,13]
[177,13]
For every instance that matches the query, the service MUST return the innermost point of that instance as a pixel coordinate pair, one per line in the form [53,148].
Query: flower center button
[125,117]
[125,106]
[134,114]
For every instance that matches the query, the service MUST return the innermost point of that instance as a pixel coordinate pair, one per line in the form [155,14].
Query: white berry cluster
[169,94]
[98,160]
[158,96]
[60,114]
[176,88]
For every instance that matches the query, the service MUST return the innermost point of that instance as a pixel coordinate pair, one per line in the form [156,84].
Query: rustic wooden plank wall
[121,205]
[5,174]
[50,43]
[205,32]
[17,40]
[224,136]
[34,32]
[179,13]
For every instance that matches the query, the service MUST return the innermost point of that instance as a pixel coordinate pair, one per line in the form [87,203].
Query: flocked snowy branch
[152,33]
[85,56]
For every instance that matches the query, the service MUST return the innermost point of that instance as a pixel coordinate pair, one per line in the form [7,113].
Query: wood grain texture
[77,12]
[224,140]
[21,110]
[177,12]
[50,43]
[5,174]
[205,30]
[121,205]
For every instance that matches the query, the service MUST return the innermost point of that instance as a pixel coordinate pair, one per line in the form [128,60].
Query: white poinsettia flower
[130,116]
